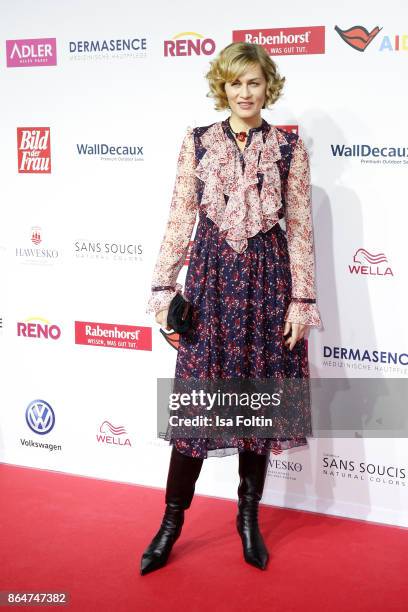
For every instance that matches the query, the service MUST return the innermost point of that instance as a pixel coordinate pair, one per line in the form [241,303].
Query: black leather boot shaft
[180,487]
[252,472]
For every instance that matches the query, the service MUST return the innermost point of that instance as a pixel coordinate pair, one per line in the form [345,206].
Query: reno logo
[371,264]
[31,52]
[109,434]
[285,41]
[359,39]
[34,150]
[36,327]
[188,43]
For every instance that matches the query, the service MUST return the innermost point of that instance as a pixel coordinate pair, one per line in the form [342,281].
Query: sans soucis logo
[31,52]
[113,335]
[370,264]
[112,435]
[34,150]
[285,41]
[188,43]
[359,38]
[350,469]
[106,250]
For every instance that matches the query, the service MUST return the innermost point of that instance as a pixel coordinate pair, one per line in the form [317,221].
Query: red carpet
[86,536]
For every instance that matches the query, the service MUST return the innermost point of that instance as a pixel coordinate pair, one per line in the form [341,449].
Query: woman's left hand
[297,330]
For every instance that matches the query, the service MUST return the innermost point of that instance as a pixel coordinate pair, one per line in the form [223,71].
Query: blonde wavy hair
[232,61]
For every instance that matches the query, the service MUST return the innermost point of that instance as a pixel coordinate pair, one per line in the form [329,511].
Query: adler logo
[370,264]
[188,43]
[31,52]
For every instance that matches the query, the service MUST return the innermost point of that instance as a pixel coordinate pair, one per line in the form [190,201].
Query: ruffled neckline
[247,211]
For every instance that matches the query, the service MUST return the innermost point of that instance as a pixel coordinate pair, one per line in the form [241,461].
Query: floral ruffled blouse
[203,182]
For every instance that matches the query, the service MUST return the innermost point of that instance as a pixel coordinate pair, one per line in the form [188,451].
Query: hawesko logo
[188,43]
[371,264]
[34,150]
[33,255]
[285,41]
[40,417]
[31,52]
[109,434]
[113,336]
[358,37]
[36,235]
[36,327]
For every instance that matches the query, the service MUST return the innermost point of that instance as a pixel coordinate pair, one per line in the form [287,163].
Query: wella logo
[34,150]
[188,43]
[370,264]
[109,434]
[31,52]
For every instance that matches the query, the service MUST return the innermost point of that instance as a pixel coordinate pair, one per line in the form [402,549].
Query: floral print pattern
[246,275]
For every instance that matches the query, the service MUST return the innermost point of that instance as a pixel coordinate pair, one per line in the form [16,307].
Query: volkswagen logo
[40,417]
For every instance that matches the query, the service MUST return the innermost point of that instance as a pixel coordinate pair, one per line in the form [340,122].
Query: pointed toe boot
[182,476]
[252,472]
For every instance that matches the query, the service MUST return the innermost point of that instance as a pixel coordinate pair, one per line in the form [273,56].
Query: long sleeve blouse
[298,218]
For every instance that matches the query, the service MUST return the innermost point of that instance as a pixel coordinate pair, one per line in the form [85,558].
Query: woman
[250,282]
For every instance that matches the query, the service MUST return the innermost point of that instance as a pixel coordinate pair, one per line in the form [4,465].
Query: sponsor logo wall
[82,224]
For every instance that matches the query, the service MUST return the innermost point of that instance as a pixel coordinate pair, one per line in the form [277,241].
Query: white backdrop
[63,231]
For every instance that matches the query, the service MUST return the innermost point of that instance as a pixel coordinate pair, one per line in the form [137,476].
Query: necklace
[241,136]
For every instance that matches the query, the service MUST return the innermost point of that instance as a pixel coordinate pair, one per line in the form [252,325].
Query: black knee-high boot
[181,479]
[252,472]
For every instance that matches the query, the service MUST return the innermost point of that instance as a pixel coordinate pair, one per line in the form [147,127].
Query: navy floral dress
[247,274]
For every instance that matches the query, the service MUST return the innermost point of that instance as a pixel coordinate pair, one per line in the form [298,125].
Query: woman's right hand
[161,318]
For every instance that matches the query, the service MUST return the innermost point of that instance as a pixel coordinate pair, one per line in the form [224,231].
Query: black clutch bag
[179,315]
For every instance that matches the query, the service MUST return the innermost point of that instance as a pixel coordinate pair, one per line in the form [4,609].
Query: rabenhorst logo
[369,154]
[34,150]
[111,335]
[359,38]
[188,43]
[31,52]
[108,251]
[114,48]
[370,264]
[109,434]
[358,358]
[349,469]
[37,255]
[285,41]
[36,327]
[111,152]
